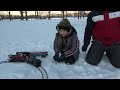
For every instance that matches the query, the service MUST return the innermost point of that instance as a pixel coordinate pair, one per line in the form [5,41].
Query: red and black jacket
[103,26]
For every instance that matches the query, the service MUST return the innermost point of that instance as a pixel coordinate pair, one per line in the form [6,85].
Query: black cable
[4,62]
[41,72]
[37,68]
[45,72]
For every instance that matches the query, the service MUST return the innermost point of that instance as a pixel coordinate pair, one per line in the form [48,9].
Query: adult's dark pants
[96,51]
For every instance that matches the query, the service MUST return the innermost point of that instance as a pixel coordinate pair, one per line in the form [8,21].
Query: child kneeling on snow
[66,43]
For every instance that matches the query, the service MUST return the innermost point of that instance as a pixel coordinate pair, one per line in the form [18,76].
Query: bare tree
[48,14]
[21,13]
[36,14]
[63,15]
[26,15]
[10,16]
[39,14]
[1,15]
[75,12]
[78,14]
[83,14]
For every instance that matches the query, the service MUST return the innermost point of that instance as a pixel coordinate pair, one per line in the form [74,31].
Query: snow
[38,35]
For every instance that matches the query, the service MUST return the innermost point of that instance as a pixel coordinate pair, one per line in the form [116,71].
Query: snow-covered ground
[38,35]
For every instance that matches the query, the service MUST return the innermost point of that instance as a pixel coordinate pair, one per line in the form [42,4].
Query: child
[66,43]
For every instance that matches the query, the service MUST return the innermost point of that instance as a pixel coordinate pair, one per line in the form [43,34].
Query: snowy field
[38,35]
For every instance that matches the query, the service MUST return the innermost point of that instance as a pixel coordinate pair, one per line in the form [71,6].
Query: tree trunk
[63,15]
[26,15]
[37,14]
[83,14]
[21,13]
[78,14]
[10,16]
[74,13]
[49,15]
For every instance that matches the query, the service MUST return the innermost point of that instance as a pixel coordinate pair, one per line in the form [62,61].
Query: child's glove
[57,57]
[62,56]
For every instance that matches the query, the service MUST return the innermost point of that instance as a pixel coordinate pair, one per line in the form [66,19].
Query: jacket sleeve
[88,29]
[55,45]
[74,49]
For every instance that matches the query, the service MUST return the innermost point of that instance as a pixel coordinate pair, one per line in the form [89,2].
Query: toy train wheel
[44,55]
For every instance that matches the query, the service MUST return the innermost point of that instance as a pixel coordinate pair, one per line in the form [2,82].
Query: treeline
[38,15]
